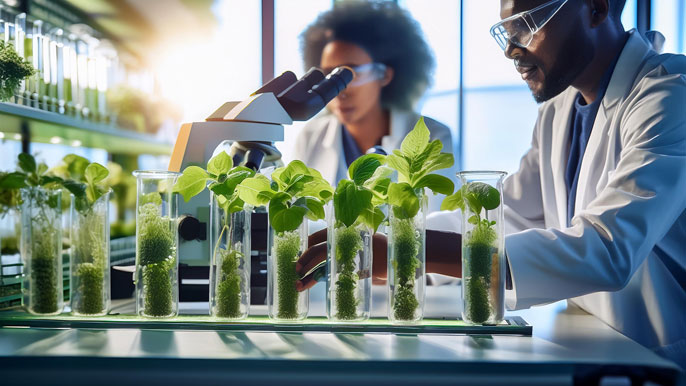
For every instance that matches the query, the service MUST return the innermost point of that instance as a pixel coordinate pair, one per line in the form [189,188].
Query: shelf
[44,126]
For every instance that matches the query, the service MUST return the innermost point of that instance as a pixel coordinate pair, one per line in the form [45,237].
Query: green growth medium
[287,248]
[405,247]
[479,253]
[90,263]
[348,244]
[156,256]
[229,284]
[44,283]
[91,280]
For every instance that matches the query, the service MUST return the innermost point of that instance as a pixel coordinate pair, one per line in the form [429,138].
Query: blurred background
[116,78]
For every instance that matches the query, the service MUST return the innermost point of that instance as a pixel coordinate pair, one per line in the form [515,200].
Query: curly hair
[388,34]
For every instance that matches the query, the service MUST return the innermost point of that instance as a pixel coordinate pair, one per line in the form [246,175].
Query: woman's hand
[316,253]
[443,255]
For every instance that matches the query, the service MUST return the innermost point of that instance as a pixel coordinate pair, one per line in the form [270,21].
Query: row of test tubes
[74,69]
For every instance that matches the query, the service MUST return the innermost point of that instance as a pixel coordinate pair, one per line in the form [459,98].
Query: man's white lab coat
[624,257]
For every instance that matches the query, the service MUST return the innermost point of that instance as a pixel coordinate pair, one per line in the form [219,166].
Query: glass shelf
[49,127]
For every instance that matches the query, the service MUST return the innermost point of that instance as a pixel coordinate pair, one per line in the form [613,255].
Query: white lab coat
[624,257]
[320,145]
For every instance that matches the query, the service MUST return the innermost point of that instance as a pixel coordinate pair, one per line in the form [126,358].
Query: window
[667,16]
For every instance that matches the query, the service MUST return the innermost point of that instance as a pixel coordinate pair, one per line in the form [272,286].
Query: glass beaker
[230,262]
[41,250]
[90,257]
[483,247]
[284,301]
[157,263]
[349,270]
[407,264]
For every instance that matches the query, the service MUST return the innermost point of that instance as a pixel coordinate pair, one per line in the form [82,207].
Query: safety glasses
[519,29]
[366,73]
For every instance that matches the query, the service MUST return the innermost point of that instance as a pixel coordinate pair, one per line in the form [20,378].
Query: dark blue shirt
[350,148]
[583,118]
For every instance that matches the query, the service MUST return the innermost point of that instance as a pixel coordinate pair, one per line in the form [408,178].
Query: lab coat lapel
[331,153]
[559,154]
[622,79]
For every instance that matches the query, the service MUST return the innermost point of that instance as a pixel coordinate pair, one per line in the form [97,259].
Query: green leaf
[314,206]
[319,188]
[152,197]
[349,201]
[400,164]
[373,217]
[220,164]
[14,180]
[78,189]
[442,161]
[27,163]
[416,140]
[402,196]
[235,177]
[437,183]
[76,166]
[454,201]
[282,217]
[192,182]
[95,173]
[256,191]
[473,219]
[487,196]
[364,167]
[430,153]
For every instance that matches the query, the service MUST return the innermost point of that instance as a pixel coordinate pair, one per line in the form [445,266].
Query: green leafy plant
[356,207]
[295,192]
[41,215]
[89,257]
[480,245]
[223,178]
[13,68]
[415,162]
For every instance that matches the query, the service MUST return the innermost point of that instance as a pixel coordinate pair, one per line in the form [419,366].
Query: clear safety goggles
[366,73]
[519,29]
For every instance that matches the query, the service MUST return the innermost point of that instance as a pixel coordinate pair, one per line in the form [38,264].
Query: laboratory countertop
[568,346]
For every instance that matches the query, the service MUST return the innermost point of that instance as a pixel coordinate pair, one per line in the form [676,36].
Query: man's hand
[443,254]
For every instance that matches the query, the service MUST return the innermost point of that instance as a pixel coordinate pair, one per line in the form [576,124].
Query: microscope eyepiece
[334,83]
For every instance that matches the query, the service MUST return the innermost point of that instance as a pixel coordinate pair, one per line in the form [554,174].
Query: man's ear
[600,10]
[388,76]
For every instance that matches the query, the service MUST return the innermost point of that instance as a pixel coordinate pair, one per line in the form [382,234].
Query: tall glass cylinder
[230,262]
[349,265]
[90,257]
[10,224]
[157,263]
[285,303]
[41,250]
[483,247]
[406,264]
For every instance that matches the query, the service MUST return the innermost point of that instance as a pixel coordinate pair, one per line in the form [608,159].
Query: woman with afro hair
[393,67]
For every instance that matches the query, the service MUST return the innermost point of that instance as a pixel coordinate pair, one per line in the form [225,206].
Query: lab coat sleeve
[522,192]
[612,236]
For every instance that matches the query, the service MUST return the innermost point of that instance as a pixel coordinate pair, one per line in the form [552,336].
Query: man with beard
[596,212]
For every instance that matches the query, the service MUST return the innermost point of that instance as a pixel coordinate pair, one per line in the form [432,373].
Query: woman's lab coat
[320,145]
[624,257]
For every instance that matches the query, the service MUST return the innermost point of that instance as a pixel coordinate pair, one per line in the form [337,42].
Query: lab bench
[567,346]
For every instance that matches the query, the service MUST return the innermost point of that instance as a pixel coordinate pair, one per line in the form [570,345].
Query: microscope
[248,129]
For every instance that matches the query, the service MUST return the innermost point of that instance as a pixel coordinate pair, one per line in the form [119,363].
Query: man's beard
[574,55]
